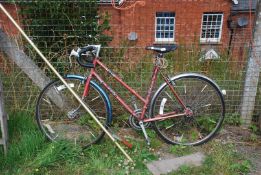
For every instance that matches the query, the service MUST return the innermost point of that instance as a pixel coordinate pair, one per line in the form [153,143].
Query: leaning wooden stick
[64,82]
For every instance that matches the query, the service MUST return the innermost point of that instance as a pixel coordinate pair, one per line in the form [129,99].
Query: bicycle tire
[202,96]
[61,117]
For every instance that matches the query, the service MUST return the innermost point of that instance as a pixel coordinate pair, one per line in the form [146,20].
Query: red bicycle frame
[145,101]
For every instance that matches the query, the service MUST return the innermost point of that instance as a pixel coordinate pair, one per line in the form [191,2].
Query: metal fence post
[3,121]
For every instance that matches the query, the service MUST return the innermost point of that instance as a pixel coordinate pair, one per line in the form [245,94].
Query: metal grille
[56,35]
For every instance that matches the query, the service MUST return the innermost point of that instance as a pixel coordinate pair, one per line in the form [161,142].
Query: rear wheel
[202,97]
[61,117]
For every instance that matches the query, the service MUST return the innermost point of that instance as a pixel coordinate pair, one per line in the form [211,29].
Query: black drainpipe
[231,27]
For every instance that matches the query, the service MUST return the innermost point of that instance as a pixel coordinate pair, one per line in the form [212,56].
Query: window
[164,30]
[211,27]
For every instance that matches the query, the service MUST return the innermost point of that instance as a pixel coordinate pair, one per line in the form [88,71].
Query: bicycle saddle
[162,48]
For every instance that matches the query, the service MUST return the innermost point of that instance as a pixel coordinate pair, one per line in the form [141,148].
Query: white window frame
[210,26]
[163,31]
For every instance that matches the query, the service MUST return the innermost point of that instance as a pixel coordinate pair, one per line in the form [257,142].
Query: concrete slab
[166,166]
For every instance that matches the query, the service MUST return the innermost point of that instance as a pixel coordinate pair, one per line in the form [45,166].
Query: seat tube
[152,84]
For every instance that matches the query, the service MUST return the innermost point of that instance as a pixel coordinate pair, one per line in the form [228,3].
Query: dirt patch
[246,143]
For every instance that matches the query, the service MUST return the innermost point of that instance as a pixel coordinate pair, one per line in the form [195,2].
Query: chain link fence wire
[213,37]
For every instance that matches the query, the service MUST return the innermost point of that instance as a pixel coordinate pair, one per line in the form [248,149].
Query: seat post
[160,55]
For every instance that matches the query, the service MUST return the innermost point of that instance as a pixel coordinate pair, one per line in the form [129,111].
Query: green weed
[24,142]
[155,142]
[221,159]
[181,150]
[30,154]
[233,119]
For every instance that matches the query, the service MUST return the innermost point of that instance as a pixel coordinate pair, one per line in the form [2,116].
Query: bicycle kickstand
[144,132]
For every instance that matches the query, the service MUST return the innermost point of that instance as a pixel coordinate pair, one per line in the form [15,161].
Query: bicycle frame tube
[120,81]
[165,116]
[152,83]
[173,91]
[93,73]
[145,102]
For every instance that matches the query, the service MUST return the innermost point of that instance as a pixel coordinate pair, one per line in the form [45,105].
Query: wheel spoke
[205,102]
[70,121]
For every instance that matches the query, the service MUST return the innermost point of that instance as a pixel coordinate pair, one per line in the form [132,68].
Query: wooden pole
[64,82]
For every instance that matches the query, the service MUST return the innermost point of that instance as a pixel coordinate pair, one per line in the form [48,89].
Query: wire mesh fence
[213,37]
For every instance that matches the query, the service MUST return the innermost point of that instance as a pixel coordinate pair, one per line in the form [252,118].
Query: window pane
[166,34]
[158,21]
[205,18]
[165,25]
[162,21]
[211,25]
[210,18]
[217,34]
[162,28]
[158,35]
[203,35]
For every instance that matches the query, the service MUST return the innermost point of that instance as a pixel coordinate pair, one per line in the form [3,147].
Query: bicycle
[187,109]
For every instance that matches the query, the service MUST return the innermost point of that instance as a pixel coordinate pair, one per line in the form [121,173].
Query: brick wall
[5,23]
[188,16]
[241,37]
[141,19]
[7,26]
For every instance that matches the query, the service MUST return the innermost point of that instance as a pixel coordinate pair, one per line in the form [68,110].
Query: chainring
[134,123]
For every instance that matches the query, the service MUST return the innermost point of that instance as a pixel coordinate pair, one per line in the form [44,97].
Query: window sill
[212,43]
[164,42]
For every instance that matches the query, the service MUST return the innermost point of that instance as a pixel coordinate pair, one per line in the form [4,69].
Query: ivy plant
[55,26]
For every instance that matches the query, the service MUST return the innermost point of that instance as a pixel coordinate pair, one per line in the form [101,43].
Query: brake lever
[73,53]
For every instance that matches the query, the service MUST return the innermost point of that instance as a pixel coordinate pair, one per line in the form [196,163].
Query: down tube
[115,94]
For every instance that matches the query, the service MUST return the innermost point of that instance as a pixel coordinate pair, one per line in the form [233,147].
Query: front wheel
[202,97]
[61,117]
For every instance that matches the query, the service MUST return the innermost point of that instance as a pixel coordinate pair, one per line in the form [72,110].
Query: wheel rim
[70,121]
[203,99]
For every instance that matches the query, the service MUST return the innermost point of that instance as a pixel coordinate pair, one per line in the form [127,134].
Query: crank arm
[144,132]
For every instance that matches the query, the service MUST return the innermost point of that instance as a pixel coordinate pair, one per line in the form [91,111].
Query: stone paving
[160,167]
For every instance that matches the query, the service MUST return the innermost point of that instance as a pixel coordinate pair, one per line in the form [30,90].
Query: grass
[221,159]
[30,153]
[24,142]
[233,119]
[181,150]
